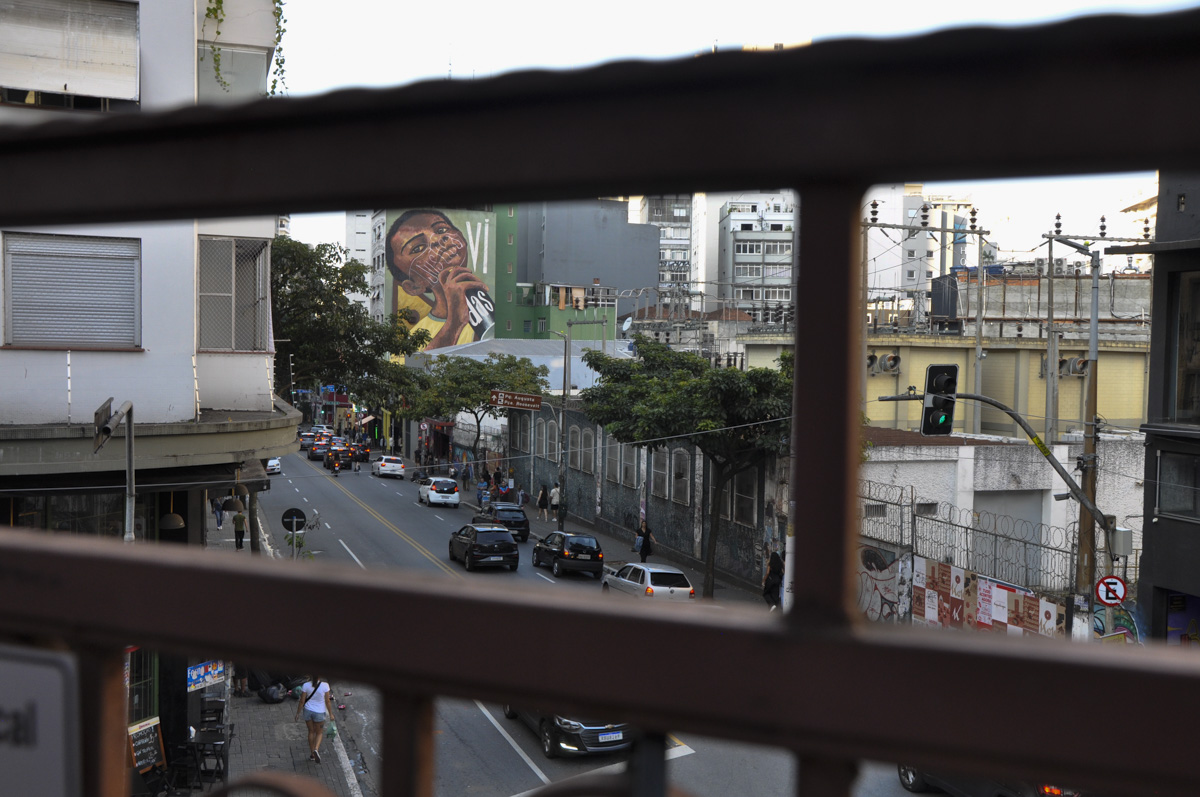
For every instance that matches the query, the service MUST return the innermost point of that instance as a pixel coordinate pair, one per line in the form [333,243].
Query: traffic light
[941,385]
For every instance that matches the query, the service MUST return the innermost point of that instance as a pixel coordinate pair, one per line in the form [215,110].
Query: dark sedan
[564,551]
[916,780]
[561,735]
[479,545]
[511,516]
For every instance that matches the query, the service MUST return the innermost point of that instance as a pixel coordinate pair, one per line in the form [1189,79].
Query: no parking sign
[1110,590]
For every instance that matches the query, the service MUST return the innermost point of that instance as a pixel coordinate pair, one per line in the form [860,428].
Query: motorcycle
[337,466]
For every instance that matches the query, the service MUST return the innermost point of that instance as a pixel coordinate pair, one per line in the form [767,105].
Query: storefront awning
[366,420]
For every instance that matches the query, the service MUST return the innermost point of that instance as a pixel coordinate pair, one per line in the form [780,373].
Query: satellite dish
[628,323]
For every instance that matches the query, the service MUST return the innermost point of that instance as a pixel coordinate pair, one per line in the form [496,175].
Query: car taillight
[692,593]
[649,591]
[566,554]
[1057,791]
[599,556]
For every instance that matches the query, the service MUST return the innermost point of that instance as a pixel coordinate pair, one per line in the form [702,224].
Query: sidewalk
[267,736]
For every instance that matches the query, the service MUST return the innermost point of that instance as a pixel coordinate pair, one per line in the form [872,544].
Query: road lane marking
[543,575]
[328,526]
[352,556]
[305,498]
[439,517]
[514,744]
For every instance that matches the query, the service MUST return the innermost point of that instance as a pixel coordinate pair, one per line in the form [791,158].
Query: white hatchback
[662,582]
[388,466]
[438,490]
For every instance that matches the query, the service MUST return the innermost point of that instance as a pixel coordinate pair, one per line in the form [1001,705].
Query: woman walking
[772,581]
[543,502]
[317,705]
[647,537]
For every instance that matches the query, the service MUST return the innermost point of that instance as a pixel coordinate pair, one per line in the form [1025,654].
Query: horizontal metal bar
[597,132]
[822,690]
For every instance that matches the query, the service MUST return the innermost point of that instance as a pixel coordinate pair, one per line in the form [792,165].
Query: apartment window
[779,248]
[243,69]
[510,239]
[1178,485]
[748,294]
[912,275]
[658,211]
[778,294]
[912,253]
[587,452]
[777,228]
[552,441]
[510,297]
[781,271]
[540,442]
[680,212]
[511,211]
[573,448]
[629,465]
[510,268]
[527,326]
[748,271]
[69,291]
[235,299]
[658,473]
[612,457]
[681,477]
[1185,345]
[541,325]
[508,325]
[748,248]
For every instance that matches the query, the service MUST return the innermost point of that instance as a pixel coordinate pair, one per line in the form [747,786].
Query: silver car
[662,582]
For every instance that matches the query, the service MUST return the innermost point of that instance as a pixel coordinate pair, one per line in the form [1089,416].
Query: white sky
[385,43]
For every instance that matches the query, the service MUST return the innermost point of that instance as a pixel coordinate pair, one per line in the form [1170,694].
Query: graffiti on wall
[879,577]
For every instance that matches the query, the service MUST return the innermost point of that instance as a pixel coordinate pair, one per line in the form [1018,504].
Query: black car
[318,449]
[480,545]
[916,780]
[336,454]
[574,736]
[563,551]
[511,516]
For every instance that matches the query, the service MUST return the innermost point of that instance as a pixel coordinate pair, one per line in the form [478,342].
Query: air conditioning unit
[888,363]
[1060,265]
[1078,366]
[1040,264]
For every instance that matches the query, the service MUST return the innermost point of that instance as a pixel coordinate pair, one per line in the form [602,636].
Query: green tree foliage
[736,418]
[462,384]
[332,340]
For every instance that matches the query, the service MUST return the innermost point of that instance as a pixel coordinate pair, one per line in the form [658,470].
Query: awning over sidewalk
[366,420]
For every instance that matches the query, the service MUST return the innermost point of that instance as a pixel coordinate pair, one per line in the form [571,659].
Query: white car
[388,466]
[438,490]
[661,582]
[273,466]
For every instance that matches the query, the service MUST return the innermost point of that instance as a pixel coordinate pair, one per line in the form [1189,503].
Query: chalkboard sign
[145,744]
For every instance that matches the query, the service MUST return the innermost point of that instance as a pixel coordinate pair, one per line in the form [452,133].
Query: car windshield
[582,544]
[492,537]
[669,580]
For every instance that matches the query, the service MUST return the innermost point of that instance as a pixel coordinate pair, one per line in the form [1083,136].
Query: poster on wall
[1183,619]
[441,273]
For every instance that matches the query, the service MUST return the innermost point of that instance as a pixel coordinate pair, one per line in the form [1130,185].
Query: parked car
[916,780]
[388,466]
[480,545]
[336,454]
[564,551]
[318,449]
[438,490]
[574,736]
[662,582]
[306,439]
[273,466]
[511,516]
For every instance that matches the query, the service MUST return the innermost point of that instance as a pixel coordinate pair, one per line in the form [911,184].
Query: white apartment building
[172,316]
[756,238]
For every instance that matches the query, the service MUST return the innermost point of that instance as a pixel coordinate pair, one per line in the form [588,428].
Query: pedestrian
[648,539]
[498,477]
[522,497]
[773,580]
[555,495]
[241,680]
[317,704]
[219,511]
[481,490]
[239,528]
[543,501]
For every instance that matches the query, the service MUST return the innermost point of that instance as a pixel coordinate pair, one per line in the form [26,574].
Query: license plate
[494,559]
[585,556]
[615,736]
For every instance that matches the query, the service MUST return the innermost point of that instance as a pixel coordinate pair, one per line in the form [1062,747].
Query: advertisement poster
[203,675]
[958,599]
[441,273]
[1183,619]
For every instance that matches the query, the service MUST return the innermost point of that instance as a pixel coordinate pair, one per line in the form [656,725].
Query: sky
[378,43]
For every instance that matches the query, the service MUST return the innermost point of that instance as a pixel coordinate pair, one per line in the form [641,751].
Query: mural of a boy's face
[423,246]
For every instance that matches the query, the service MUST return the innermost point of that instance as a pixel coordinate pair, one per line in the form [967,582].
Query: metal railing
[556,133]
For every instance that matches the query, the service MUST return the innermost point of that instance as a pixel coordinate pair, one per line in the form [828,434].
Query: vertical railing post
[104,719]
[407,745]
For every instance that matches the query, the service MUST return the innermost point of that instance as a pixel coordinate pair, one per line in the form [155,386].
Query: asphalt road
[377,523]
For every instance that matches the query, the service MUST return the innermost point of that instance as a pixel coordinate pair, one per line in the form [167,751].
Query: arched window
[552,441]
[541,438]
[524,434]
[681,473]
[587,452]
[573,447]
[658,473]
[629,465]
[612,456]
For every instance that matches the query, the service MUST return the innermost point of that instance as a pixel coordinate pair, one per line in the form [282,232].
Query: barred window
[681,477]
[540,443]
[629,465]
[552,441]
[72,291]
[587,452]
[573,447]
[745,494]
[235,299]
[612,451]
[658,473]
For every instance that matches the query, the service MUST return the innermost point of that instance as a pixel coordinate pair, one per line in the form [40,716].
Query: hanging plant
[215,11]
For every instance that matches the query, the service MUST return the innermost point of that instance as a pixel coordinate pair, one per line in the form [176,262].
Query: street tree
[456,384]
[331,338]
[737,419]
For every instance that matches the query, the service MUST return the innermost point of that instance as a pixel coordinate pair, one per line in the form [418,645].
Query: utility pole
[1050,428]
[977,415]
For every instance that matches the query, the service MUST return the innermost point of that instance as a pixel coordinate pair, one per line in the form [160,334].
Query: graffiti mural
[878,584]
[441,273]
